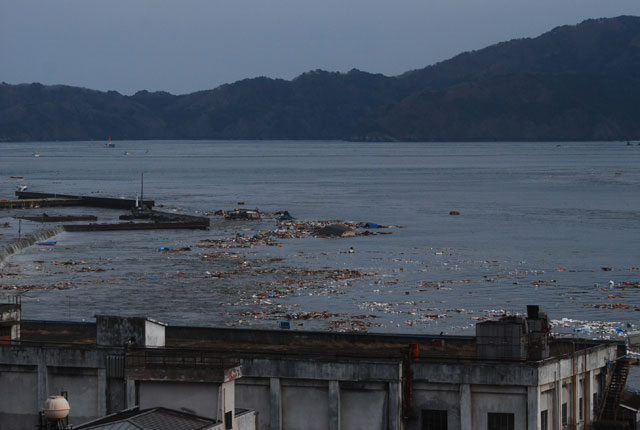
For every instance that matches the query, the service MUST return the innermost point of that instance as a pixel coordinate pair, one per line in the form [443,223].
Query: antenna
[142,187]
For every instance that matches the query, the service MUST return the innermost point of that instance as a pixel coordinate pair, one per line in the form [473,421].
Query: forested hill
[573,83]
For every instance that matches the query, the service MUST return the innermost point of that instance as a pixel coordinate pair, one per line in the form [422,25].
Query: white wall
[154,334]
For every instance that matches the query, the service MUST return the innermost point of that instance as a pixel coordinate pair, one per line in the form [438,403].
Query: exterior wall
[310,393]
[191,397]
[371,398]
[246,421]
[305,406]
[441,397]
[154,334]
[547,403]
[254,393]
[120,331]
[18,397]
[478,373]
[227,392]
[40,372]
[82,388]
[498,399]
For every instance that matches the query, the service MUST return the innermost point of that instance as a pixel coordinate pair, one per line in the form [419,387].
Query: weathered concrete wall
[360,371]
[120,331]
[20,244]
[192,397]
[549,370]
[83,393]
[353,403]
[254,393]
[441,397]
[546,403]
[18,397]
[305,407]
[482,403]
[299,392]
[477,373]
[228,401]
[41,372]
[246,421]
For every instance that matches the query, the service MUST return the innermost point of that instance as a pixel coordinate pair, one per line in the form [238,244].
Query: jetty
[99,202]
[58,218]
[139,209]
[34,203]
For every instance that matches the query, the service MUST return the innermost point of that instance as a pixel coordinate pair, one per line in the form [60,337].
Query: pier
[154,220]
[99,202]
[34,203]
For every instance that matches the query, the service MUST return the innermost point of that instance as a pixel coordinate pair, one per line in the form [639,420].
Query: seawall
[26,242]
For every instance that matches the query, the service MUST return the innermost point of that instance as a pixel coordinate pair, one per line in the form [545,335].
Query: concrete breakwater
[26,242]
[102,202]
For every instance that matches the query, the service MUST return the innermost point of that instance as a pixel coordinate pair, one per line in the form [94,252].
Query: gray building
[511,375]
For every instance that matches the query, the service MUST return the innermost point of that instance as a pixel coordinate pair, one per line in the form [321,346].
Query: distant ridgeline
[573,83]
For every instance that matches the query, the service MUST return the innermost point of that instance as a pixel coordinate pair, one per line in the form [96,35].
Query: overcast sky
[190,45]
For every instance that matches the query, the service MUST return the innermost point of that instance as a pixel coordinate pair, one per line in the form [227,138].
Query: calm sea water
[538,223]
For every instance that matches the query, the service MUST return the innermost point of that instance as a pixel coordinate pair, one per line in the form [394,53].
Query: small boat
[127,153]
[109,144]
[53,243]
[22,187]
[36,154]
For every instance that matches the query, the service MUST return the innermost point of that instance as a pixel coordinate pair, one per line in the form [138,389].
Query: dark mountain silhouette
[573,83]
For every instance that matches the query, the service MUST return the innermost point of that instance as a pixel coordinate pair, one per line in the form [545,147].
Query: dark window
[564,414]
[434,420]
[498,421]
[594,406]
[580,408]
[228,420]
[544,420]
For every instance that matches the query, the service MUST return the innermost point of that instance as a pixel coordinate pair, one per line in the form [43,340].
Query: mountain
[573,83]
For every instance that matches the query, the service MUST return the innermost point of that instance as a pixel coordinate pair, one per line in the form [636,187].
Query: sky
[192,45]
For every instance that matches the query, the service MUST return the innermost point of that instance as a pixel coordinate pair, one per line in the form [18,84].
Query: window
[434,420]
[580,408]
[594,405]
[544,420]
[228,420]
[500,421]
[5,335]
[564,414]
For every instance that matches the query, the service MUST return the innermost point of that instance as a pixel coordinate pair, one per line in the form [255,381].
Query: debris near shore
[25,288]
[335,321]
[292,229]
[622,306]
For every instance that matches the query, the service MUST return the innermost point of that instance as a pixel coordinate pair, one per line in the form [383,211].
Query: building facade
[511,375]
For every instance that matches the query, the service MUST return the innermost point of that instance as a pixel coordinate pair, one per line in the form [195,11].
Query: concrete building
[511,375]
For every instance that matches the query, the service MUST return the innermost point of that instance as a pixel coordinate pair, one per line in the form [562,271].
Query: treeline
[573,83]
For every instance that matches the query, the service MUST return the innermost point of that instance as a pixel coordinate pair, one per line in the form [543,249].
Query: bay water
[554,224]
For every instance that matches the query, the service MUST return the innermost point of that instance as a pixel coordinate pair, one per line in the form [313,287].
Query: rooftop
[240,342]
[150,419]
